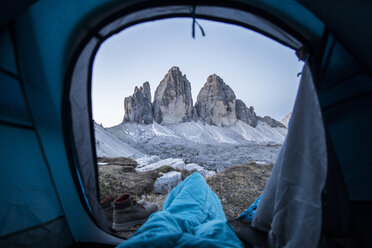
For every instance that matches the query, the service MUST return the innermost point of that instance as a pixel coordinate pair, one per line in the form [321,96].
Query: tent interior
[49,194]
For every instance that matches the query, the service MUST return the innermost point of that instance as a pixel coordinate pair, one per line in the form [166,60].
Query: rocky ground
[237,187]
[215,157]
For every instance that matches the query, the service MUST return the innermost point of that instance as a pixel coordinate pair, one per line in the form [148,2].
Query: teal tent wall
[39,200]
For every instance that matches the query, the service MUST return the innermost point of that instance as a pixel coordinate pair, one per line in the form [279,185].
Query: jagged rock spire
[215,103]
[173,101]
[245,114]
[138,106]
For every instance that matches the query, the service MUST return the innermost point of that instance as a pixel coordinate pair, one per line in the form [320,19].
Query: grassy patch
[239,186]
[165,169]
[117,180]
[117,161]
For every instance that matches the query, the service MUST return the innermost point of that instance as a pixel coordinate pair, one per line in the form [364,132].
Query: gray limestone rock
[271,121]
[252,117]
[245,114]
[138,107]
[173,101]
[216,102]
[241,111]
[195,116]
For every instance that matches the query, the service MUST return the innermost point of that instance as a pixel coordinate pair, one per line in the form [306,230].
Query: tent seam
[13,36]
[33,227]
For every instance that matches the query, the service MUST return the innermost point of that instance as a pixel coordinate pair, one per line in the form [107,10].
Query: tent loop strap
[302,54]
[194,21]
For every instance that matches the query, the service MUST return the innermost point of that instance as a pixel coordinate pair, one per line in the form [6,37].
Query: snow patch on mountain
[107,145]
[212,147]
[200,133]
[159,130]
[175,163]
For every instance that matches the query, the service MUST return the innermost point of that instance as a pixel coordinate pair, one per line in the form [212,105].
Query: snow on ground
[107,145]
[196,132]
[175,163]
[145,160]
[213,148]
[263,133]
[159,130]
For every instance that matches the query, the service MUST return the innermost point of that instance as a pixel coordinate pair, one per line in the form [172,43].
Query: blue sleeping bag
[249,213]
[192,216]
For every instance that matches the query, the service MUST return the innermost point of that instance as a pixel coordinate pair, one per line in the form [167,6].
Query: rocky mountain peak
[173,101]
[215,79]
[138,106]
[215,103]
[271,121]
[175,69]
[174,73]
[245,114]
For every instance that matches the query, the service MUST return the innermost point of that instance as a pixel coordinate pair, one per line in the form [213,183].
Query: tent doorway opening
[166,105]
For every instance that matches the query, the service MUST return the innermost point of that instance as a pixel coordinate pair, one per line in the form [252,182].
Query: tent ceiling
[350,22]
[224,14]
[9,9]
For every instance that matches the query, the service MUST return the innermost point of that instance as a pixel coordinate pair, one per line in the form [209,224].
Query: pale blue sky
[262,72]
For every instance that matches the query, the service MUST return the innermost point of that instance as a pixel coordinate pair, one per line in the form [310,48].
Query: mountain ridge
[216,103]
[216,132]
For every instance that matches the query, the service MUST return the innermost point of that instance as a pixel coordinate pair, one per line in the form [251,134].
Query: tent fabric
[13,108]
[254,22]
[192,216]
[41,37]
[29,198]
[236,16]
[7,58]
[350,22]
[290,210]
[345,97]
[339,219]
[11,9]
[54,233]
[353,149]
[83,137]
